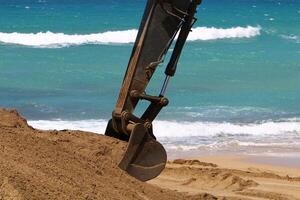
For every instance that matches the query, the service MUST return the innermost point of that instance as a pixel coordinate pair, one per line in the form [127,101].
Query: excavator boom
[163,20]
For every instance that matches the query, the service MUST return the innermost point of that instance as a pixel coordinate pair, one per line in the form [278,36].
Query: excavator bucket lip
[144,158]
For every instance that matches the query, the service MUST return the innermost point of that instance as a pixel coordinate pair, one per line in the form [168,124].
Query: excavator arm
[163,20]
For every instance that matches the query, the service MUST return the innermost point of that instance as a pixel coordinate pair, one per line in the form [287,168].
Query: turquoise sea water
[239,76]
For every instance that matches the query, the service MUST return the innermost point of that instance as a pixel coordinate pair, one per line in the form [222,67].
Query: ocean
[237,88]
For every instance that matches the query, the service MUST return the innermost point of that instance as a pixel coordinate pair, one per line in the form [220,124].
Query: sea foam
[184,129]
[58,40]
[259,138]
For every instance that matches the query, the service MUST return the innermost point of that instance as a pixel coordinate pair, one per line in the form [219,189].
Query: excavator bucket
[144,157]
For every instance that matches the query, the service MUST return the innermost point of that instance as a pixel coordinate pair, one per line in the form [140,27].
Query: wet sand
[292,161]
[67,164]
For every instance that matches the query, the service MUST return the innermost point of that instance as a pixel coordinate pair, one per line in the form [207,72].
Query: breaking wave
[204,33]
[59,40]
[281,136]
[184,129]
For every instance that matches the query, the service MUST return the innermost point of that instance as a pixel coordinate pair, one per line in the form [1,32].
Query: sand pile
[78,165]
[66,165]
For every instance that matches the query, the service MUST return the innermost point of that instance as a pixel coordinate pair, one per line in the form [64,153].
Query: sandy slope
[66,165]
[231,177]
[78,165]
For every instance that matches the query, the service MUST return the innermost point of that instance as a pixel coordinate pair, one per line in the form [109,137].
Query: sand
[234,177]
[67,164]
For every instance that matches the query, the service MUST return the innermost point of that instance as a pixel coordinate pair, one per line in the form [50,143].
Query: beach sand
[234,177]
[67,164]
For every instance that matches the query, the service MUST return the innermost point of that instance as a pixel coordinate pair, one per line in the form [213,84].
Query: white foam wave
[234,144]
[187,129]
[212,33]
[183,129]
[96,126]
[206,147]
[58,40]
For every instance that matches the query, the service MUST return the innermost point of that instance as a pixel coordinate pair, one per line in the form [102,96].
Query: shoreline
[284,159]
[245,162]
[288,161]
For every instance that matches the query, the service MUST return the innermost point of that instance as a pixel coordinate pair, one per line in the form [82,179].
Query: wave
[184,129]
[187,129]
[204,33]
[58,40]
[257,146]
[96,126]
[281,136]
